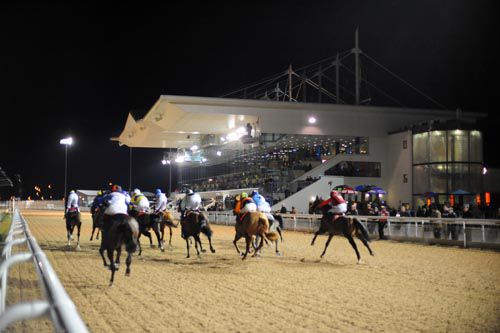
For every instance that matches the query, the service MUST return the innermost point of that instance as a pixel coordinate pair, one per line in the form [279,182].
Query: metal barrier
[57,304]
[462,232]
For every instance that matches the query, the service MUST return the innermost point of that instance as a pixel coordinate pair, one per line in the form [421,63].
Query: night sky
[79,69]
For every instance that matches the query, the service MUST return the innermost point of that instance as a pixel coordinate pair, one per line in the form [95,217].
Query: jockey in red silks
[337,204]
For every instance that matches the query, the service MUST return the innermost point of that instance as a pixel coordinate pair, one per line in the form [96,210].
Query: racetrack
[405,287]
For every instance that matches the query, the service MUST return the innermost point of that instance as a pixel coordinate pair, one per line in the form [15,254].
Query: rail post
[465,235]
[482,231]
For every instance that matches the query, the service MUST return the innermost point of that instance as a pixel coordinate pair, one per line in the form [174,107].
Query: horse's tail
[169,220]
[132,232]
[207,230]
[272,236]
[362,228]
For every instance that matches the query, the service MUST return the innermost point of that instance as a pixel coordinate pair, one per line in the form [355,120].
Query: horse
[253,224]
[191,226]
[313,208]
[166,220]
[73,220]
[276,225]
[348,226]
[97,216]
[118,230]
[146,222]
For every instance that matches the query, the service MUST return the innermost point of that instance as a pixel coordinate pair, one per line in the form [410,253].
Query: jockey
[161,202]
[117,202]
[139,202]
[244,205]
[337,204]
[192,201]
[97,203]
[72,203]
[262,205]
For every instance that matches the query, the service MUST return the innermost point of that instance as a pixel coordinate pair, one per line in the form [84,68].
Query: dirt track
[405,287]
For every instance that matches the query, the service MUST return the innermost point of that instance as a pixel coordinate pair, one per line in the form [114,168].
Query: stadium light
[66,142]
[312,120]
[164,162]
[219,153]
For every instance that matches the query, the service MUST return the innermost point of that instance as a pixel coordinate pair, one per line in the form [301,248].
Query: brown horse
[166,220]
[348,226]
[191,226]
[147,222]
[251,225]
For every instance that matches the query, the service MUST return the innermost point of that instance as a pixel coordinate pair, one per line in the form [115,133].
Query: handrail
[57,304]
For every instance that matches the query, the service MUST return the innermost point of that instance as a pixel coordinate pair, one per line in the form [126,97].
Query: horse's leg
[257,251]
[278,229]
[170,239]
[139,244]
[187,246]
[128,262]
[330,236]
[248,239]
[210,243]
[112,266]
[98,230]
[68,233]
[101,252]
[197,240]
[237,237]
[156,230]
[365,242]
[278,253]
[79,226]
[118,255]
[92,234]
[148,235]
[353,244]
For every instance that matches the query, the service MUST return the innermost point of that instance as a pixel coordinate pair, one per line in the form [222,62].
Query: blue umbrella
[377,190]
[460,192]
[361,188]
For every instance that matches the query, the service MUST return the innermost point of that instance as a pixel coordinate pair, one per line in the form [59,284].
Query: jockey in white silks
[161,202]
[72,202]
[263,206]
[117,202]
[192,201]
[139,202]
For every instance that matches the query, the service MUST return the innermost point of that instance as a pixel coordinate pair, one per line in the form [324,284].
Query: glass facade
[447,160]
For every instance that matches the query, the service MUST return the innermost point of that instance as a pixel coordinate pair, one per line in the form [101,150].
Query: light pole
[66,142]
[165,162]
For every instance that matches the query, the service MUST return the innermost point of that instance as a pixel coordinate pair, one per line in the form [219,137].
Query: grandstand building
[294,151]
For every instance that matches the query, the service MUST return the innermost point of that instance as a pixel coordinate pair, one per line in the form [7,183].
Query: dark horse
[118,230]
[253,224]
[73,220]
[97,216]
[147,222]
[191,226]
[348,226]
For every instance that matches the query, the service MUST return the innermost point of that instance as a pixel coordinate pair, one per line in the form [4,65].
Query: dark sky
[79,69]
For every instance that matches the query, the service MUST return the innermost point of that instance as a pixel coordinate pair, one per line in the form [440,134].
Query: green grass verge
[4,226]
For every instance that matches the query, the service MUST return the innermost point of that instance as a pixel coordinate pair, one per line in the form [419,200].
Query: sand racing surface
[404,288]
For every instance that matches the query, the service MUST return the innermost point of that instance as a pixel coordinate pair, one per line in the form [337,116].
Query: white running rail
[57,305]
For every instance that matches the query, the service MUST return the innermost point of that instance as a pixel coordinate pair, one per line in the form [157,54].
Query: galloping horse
[97,216]
[146,222]
[118,230]
[73,219]
[166,220]
[348,226]
[192,226]
[250,225]
[277,226]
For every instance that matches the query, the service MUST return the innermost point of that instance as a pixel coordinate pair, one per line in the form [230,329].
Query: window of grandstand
[355,169]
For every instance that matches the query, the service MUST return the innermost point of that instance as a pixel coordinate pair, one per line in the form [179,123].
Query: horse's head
[314,206]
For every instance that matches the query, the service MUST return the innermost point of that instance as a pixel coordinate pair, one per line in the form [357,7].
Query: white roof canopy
[180,121]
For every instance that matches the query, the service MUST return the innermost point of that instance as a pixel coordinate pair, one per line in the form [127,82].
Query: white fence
[461,232]
[57,305]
